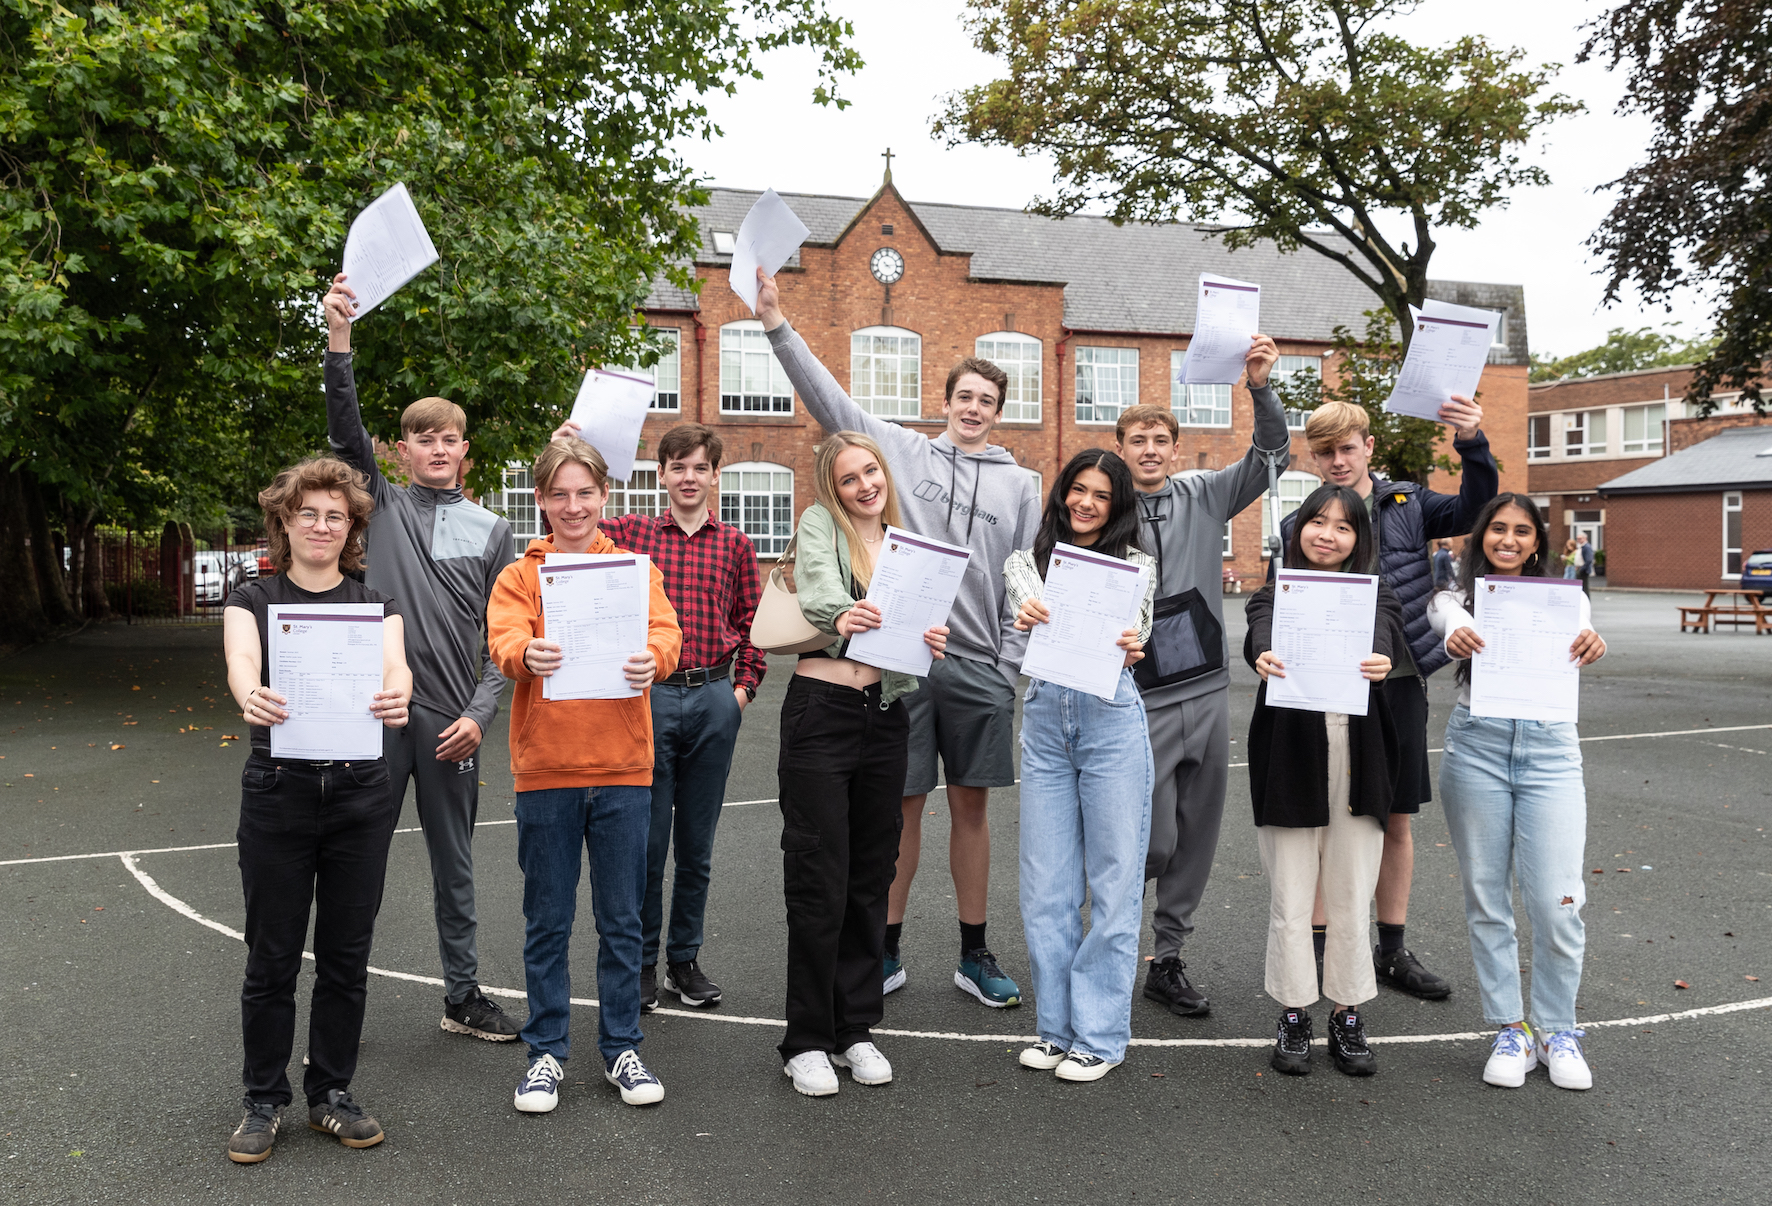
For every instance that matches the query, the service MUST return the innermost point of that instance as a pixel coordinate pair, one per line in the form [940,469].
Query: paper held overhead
[770,234]
[1227,316]
[1446,356]
[609,411]
[387,247]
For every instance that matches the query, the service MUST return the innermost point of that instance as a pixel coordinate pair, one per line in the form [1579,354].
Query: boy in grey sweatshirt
[959,488]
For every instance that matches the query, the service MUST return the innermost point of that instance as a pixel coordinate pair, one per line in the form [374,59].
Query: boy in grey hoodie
[959,488]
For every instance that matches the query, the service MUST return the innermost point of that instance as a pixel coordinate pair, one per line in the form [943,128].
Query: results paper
[770,234]
[609,411]
[1093,599]
[387,247]
[326,662]
[1322,632]
[914,585]
[1523,671]
[1446,356]
[1226,316]
[594,605]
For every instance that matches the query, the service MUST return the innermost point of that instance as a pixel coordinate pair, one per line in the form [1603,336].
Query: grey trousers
[1191,747]
[448,798]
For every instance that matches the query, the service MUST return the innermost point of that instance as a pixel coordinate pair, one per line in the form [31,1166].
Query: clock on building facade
[887,266]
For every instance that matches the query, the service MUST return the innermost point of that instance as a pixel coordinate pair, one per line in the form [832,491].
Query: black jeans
[842,773]
[309,832]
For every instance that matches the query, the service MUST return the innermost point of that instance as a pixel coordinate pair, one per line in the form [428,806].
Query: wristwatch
[750,693]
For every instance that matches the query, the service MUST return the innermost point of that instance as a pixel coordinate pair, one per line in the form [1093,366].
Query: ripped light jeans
[1517,807]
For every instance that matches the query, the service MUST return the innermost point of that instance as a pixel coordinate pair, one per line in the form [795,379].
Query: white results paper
[326,662]
[387,247]
[1446,356]
[914,584]
[1093,599]
[1226,316]
[594,606]
[1322,632]
[609,411]
[770,234]
[1523,671]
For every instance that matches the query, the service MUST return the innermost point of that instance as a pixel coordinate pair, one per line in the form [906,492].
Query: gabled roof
[1739,457]
[1138,278]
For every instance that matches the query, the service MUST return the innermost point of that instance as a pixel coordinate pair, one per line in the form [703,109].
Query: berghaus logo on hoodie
[934,492]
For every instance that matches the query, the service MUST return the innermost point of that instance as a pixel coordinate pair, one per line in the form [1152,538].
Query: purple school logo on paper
[550,579]
[895,546]
[1491,588]
[285,628]
[1285,586]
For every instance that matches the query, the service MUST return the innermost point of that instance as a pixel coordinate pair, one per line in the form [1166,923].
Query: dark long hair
[1365,555]
[1476,561]
[1118,534]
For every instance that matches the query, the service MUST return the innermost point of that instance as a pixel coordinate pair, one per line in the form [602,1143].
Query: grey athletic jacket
[438,554]
[982,500]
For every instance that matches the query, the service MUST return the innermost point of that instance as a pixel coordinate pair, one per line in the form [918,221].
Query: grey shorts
[965,712]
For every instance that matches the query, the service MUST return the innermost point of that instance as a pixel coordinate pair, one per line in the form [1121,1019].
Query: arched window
[640,494]
[758,499]
[1019,356]
[1107,383]
[886,372]
[752,381]
[1197,405]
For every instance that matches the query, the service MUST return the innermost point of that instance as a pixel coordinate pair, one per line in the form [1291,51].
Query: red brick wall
[1618,389]
[1683,433]
[1675,541]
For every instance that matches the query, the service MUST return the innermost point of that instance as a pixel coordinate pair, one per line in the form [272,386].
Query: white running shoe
[539,1090]
[1562,1054]
[812,1073]
[1043,1056]
[639,1087]
[1079,1066]
[865,1064]
[1513,1056]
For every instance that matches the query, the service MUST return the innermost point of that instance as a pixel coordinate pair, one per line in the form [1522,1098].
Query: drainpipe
[701,343]
[1060,416]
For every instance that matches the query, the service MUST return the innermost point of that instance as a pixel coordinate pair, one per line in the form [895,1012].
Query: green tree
[1624,352]
[1300,122]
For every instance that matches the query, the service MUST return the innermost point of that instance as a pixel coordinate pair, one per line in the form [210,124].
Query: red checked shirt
[711,579]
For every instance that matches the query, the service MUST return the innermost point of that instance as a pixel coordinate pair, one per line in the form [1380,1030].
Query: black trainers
[649,988]
[1347,1044]
[339,1115]
[1168,984]
[481,1017]
[686,980]
[252,1139]
[1292,1044]
[1403,971]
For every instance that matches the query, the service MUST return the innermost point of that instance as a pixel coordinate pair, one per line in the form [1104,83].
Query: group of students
[1114,793]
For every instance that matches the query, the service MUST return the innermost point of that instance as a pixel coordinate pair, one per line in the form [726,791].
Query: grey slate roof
[1137,278]
[1736,457]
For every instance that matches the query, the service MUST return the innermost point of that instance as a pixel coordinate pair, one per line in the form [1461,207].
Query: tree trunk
[89,559]
[21,607]
[52,582]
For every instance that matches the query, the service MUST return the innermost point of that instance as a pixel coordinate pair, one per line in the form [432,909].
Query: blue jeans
[1086,778]
[1517,808]
[552,826]
[693,732]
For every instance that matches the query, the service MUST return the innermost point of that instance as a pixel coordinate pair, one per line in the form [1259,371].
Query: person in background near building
[1405,516]
[1516,806]
[584,781]
[843,744]
[1185,675]
[311,833]
[1443,565]
[439,554]
[1585,570]
[710,576]
[1570,560]
[1085,795]
[961,488]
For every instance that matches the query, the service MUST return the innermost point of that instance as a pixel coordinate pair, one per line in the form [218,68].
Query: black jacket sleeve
[1453,514]
[1387,627]
[344,423]
[1260,613]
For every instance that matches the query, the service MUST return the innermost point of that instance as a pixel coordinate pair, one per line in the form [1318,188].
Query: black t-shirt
[259,595]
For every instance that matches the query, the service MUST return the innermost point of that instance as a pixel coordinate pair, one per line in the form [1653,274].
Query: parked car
[1756,574]
[216,574]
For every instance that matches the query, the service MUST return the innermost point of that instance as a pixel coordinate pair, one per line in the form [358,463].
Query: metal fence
[178,575]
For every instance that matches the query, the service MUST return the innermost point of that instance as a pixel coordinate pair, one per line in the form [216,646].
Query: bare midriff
[839,670]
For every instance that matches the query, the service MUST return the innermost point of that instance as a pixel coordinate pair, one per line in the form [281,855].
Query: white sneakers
[1079,1066]
[1043,1056]
[812,1073]
[1517,1051]
[1562,1054]
[865,1064]
[539,1090]
[1513,1056]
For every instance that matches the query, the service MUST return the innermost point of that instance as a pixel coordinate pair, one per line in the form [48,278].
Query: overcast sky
[916,51]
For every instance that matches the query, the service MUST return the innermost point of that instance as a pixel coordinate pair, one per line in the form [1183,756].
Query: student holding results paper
[314,832]
[1517,809]
[1086,778]
[1322,783]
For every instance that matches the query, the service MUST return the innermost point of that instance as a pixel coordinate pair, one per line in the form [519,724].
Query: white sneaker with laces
[812,1073]
[1562,1054]
[639,1087]
[1513,1055]
[1043,1056]
[1080,1066]
[539,1090]
[865,1064]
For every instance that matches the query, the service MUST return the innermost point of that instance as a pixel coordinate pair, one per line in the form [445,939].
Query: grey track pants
[448,802]
[1190,745]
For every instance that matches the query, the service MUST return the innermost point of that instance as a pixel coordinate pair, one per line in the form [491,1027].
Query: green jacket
[821,583]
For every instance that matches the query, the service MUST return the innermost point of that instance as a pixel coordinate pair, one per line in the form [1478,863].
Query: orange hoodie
[573,742]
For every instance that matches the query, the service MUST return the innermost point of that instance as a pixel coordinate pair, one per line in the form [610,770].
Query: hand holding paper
[1227,316]
[609,412]
[770,234]
[1446,356]
[386,247]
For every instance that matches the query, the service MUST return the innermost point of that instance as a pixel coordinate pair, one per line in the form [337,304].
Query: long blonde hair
[824,482]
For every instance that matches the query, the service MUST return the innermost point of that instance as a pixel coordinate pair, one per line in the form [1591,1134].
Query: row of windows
[1585,433]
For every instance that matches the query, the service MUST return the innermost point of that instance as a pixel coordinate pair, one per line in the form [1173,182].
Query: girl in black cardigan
[1322,785]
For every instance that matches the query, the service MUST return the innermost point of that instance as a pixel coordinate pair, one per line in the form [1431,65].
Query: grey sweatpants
[1191,746]
[448,801]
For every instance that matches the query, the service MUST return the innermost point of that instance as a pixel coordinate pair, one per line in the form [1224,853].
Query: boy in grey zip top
[439,554]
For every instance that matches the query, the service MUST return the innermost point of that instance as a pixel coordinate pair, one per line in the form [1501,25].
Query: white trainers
[812,1073]
[1080,1066]
[639,1087]
[539,1090]
[1513,1056]
[1043,1056]
[865,1064]
[1562,1054]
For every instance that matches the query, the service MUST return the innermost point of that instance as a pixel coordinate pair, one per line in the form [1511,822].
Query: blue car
[1756,574]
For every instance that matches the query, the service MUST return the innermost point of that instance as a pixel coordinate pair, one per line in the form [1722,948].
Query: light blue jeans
[1086,781]
[1517,808]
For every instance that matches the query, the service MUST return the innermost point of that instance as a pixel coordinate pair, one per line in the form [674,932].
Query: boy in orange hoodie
[584,778]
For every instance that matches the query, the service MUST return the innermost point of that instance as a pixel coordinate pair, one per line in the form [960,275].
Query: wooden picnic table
[1742,607]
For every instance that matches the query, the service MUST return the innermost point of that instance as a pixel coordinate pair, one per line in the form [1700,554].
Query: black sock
[1319,936]
[1390,938]
[892,934]
[971,937]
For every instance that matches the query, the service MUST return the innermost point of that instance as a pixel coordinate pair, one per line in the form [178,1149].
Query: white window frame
[1539,452]
[751,348]
[725,242]
[1295,419]
[1584,422]
[1649,441]
[1123,363]
[1026,370]
[641,494]
[867,355]
[1295,486]
[1499,339]
[1189,402]
[666,374]
[768,524]
[1732,507]
[515,500]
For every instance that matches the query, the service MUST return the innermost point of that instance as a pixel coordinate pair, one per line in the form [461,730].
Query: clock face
[887,266]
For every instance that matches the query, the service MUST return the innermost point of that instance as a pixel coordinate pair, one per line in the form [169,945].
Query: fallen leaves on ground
[1681,984]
